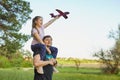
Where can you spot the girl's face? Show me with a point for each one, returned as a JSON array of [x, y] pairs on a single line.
[[48, 41], [39, 22]]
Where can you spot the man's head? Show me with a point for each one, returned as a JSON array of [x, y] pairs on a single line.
[[47, 40]]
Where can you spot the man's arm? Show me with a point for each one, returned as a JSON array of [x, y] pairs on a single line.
[[37, 62]]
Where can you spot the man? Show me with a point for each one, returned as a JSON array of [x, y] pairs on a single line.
[[48, 69]]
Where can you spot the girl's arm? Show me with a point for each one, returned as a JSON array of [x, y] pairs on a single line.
[[48, 50], [37, 37], [51, 21], [37, 62]]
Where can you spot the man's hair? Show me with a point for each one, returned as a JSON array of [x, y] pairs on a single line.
[[47, 36]]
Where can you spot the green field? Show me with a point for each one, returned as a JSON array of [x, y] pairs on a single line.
[[66, 73]]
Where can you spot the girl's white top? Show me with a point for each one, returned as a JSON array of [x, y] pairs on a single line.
[[40, 31]]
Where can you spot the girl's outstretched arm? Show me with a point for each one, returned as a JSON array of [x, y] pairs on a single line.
[[51, 21]]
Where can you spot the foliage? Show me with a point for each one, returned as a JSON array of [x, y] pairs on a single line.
[[71, 61], [13, 14], [17, 60], [27, 64], [27, 58], [4, 62], [111, 58], [26, 53]]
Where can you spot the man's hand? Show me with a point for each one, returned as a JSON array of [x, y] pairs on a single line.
[[54, 61]]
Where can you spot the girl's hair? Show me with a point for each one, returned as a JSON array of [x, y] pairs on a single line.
[[35, 19], [34, 23], [47, 36]]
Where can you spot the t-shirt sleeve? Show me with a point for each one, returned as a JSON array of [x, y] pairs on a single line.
[[54, 51], [34, 31]]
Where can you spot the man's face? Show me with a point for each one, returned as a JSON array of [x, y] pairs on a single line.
[[48, 41]]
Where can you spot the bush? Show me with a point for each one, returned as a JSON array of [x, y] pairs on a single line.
[[16, 62], [27, 64], [4, 62]]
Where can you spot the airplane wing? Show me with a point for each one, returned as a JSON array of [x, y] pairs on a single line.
[[64, 14], [59, 11], [52, 15]]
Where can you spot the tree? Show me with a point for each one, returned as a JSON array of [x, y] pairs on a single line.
[[27, 55], [13, 14], [77, 63], [111, 58]]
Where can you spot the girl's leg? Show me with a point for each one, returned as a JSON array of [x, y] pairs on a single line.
[[39, 69], [42, 53]]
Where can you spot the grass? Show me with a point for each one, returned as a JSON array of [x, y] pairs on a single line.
[[83, 74], [16, 74], [66, 73]]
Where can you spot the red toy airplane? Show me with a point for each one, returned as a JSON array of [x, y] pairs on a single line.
[[64, 14]]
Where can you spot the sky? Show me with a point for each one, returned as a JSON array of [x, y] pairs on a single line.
[[85, 31]]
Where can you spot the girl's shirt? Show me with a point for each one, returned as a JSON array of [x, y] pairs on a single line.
[[40, 31]]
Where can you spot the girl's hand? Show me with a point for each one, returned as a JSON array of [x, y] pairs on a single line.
[[57, 17]]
